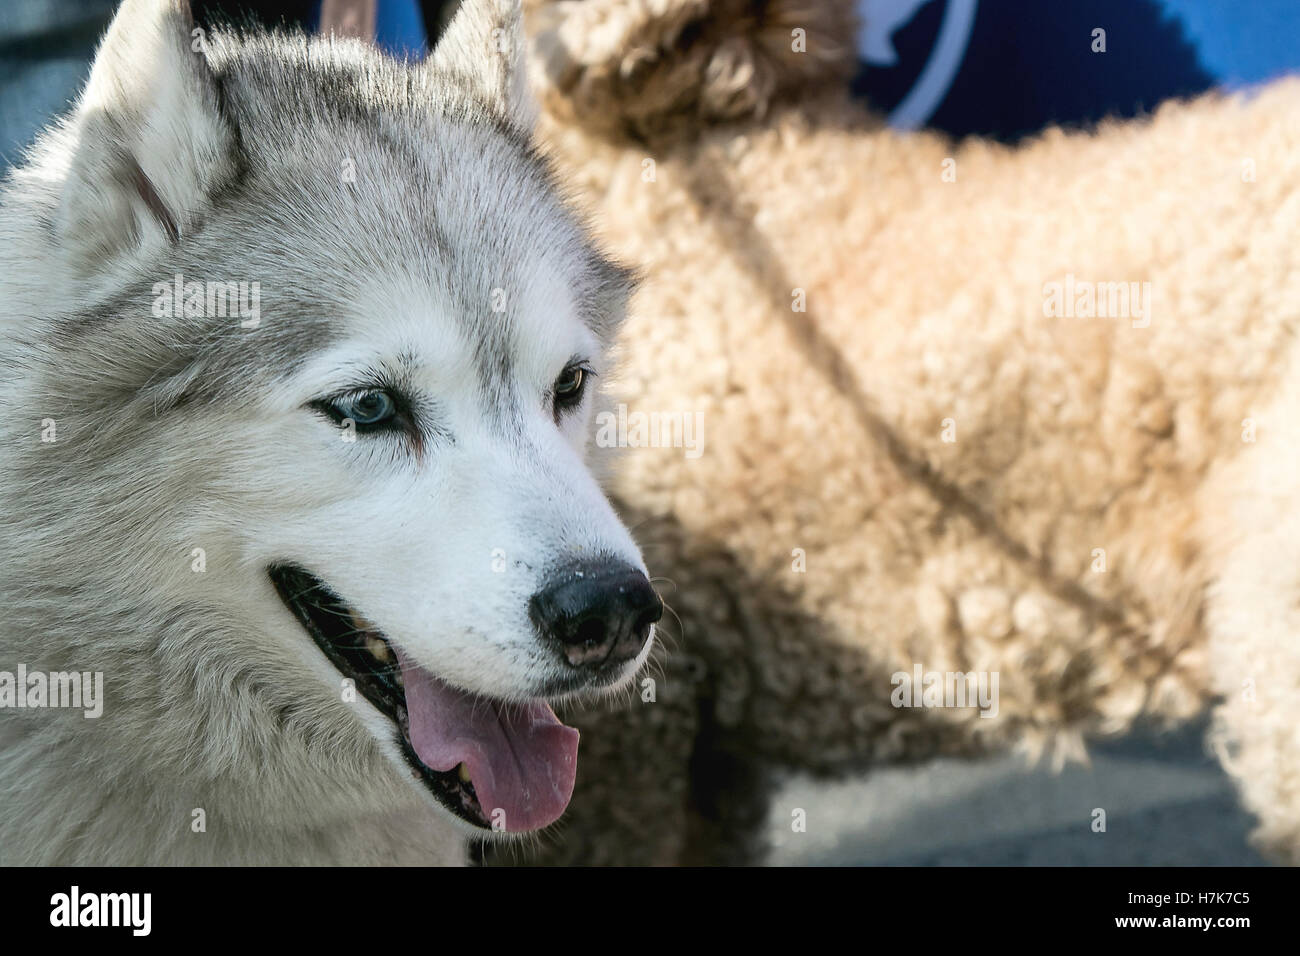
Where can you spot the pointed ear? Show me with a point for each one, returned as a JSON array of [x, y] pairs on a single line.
[[484, 43], [150, 140]]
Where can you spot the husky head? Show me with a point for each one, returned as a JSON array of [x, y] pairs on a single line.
[[319, 341]]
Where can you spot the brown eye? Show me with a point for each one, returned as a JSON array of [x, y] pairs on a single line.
[[569, 387], [570, 383]]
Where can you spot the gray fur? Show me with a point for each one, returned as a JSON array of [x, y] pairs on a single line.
[[177, 433]]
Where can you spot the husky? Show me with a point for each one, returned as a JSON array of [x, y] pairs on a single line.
[[333, 542]]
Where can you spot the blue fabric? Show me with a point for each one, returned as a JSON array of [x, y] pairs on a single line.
[[1006, 68], [399, 28], [996, 67], [45, 49], [1242, 41]]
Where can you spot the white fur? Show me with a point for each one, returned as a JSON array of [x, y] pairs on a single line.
[[177, 434]]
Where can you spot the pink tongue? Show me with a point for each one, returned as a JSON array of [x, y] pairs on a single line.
[[522, 761]]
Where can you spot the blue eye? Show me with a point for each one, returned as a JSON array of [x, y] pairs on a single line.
[[365, 408]]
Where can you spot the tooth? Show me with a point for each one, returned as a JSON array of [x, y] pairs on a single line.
[[462, 771], [377, 647]]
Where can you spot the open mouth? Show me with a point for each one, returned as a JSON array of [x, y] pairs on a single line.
[[496, 765]]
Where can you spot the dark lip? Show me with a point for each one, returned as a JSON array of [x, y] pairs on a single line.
[[328, 621], [580, 688]]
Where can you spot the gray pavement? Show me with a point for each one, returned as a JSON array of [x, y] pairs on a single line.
[[1167, 803]]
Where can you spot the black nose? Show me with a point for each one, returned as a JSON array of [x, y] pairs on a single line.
[[599, 612]]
